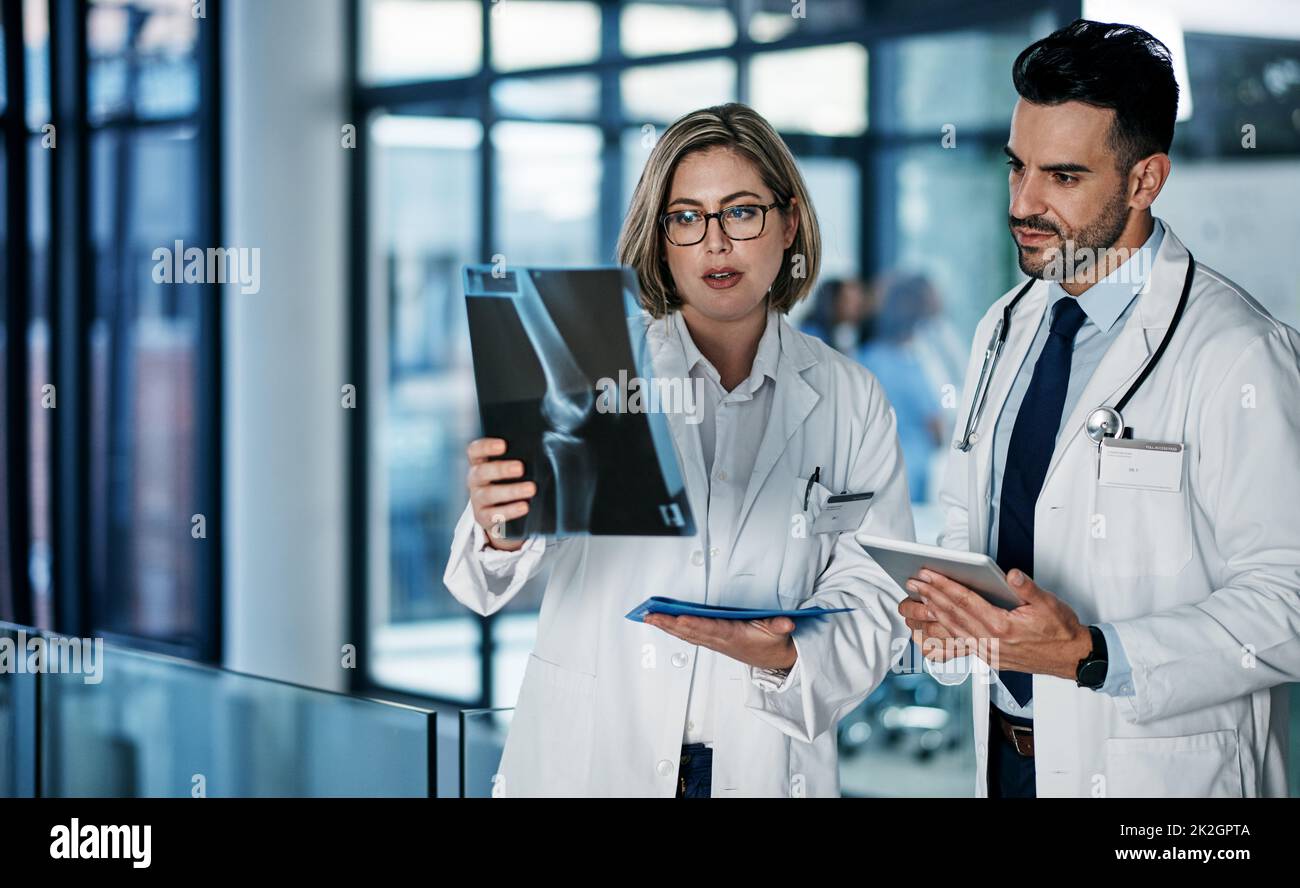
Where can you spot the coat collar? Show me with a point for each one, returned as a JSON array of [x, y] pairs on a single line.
[[1130, 351], [1156, 301], [766, 359]]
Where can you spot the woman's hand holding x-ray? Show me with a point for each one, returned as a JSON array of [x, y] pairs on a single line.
[[496, 502]]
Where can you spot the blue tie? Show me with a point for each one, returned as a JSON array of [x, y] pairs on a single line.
[[1033, 439]]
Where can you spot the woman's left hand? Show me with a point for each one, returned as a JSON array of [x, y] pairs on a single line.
[[767, 644]]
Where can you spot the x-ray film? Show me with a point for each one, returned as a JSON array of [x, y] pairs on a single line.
[[546, 345]]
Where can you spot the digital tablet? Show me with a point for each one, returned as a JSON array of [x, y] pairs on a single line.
[[979, 573]]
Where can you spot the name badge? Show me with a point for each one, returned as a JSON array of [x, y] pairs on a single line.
[[842, 512], [1145, 465]]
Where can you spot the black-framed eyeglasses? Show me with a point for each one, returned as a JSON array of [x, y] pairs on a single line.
[[685, 228]]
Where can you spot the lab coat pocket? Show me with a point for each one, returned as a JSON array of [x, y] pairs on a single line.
[[1193, 766], [550, 740], [1139, 533], [805, 552]]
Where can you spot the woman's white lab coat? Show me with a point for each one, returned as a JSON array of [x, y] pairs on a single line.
[[604, 699], [1201, 584]]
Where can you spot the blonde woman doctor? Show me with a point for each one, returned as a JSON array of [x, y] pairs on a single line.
[[724, 240]]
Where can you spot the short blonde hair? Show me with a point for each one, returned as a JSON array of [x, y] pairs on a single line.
[[741, 129]]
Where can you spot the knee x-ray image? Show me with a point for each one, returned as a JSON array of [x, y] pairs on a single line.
[[546, 343]]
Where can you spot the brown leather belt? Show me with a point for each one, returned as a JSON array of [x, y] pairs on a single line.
[[1021, 738]]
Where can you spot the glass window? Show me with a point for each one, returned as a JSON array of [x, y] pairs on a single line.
[[570, 96], [547, 192], [636, 146], [655, 28], [835, 187], [6, 562], [544, 33], [36, 40], [424, 205], [957, 198], [4, 84], [143, 59], [662, 93], [41, 401], [929, 97], [36, 56], [774, 19], [406, 40], [950, 254], [144, 352], [779, 87]]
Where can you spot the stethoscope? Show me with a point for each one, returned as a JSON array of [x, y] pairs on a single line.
[[1103, 422]]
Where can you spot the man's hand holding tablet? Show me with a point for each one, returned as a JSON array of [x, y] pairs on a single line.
[[1035, 631]]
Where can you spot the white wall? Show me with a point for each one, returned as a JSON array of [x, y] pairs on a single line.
[[1239, 218], [285, 99]]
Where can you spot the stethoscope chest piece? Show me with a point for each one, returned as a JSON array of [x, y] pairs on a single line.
[[1104, 422]]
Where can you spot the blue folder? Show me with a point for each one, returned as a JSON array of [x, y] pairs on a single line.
[[657, 604]]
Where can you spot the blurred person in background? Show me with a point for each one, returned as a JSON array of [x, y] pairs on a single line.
[[843, 315], [906, 368]]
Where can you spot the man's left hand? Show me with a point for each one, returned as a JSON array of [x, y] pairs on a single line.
[[1042, 635]]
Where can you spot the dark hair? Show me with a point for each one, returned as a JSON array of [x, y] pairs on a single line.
[[1109, 66]]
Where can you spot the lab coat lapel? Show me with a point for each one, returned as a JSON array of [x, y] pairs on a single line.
[[794, 399], [669, 362], [1129, 352]]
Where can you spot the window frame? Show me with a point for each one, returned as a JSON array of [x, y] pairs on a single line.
[[71, 297]]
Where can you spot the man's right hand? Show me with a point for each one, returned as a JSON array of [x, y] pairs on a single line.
[[495, 502]]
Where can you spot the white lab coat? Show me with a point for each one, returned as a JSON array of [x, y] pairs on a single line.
[[1202, 585], [603, 703]]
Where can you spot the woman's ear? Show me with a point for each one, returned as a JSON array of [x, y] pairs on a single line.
[[791, 217]]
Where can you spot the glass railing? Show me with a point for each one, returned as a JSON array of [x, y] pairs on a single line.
[[104, 720], [99, 719], [18, 712], [482, 739]]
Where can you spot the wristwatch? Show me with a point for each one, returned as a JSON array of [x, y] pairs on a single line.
[[1091, 672]]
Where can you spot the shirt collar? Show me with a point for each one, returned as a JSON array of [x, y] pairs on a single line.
[[1105, 301], [765, 359]]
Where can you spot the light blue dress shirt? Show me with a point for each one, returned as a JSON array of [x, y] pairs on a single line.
[[1108, 304]]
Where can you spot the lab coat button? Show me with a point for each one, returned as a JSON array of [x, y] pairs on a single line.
[[679, 659], [665, 768], [713, 551], [697, 558], [722, 476]]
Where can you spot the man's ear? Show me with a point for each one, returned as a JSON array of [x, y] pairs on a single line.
[[1146, 179]]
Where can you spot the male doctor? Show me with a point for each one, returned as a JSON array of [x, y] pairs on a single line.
[[1159, 570]]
